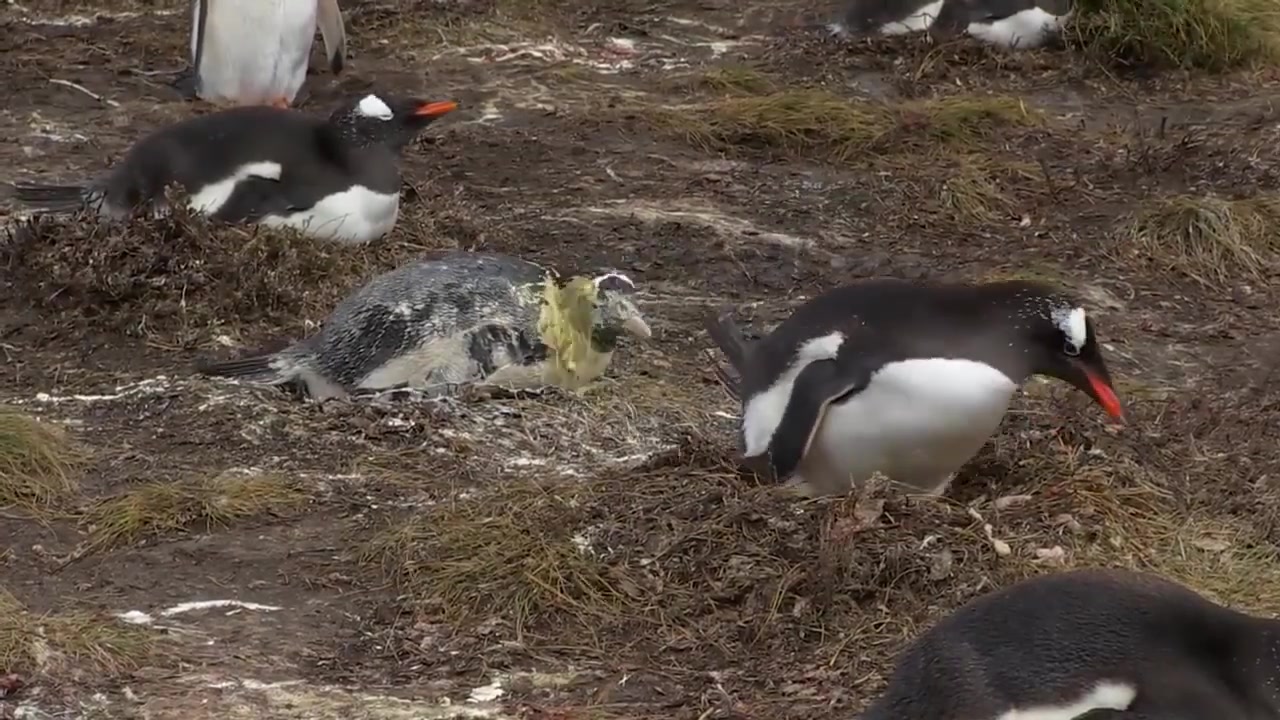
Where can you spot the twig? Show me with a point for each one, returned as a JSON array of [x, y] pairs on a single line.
[[86, 91]]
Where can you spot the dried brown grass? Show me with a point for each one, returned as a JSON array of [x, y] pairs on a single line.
[[1214, 241]]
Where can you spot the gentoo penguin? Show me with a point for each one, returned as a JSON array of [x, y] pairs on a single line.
[[1096, 644], [908, 379], [335, 178], [1013, 24], [460, 318], [255, 52]]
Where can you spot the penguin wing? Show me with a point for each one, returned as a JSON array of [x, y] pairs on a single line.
[[822, 382], [818, 385], [256, 197], [329, 18]]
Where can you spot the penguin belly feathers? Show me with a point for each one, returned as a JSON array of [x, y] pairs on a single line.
[[255, 52]]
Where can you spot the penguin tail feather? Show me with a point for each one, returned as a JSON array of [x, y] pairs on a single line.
[[255, 368], [51, 198], [727, 336]]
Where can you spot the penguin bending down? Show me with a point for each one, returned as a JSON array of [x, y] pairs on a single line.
[[1020, 24], [334, 179], [256, 52], [1095, 644], [460, 318], [903, 378]]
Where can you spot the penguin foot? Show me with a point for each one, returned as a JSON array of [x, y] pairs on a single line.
[[281, 102]]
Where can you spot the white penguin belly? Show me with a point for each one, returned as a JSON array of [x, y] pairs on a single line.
[[917, 422], [1025, 30], [917, 21], [255, 51], [356, 215]]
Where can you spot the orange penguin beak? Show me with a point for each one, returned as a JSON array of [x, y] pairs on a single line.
[[435, 109]]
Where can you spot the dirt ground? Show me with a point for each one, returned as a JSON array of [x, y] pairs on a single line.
[[601, 556]]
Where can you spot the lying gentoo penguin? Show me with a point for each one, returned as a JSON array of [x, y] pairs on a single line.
[[1022, 24], [1011, 24], [1096, 644], [908, 379], [460, 318], [255, 52], [336, 178]]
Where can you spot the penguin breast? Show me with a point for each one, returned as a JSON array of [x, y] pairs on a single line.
[[255, 52], [355, 215], [917, 422], [1024, 30]]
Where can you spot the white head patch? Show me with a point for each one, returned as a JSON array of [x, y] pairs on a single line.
[[1071, 321], [372, 106], [617, 275]]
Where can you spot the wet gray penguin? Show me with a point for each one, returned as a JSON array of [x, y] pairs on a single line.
[[459, 318], [1095, 644]]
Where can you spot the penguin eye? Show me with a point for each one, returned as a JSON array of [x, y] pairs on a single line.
[[1070, 349]]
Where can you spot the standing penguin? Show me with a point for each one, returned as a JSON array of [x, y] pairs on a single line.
[[256, 52], [334, 178], [903, 378], [1095, 644], [460, 318]]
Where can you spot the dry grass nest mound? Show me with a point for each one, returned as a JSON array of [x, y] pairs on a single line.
[[809, 120], [1213, 35], [181, 277], [1215, 241], [685, 550], [38, 462]]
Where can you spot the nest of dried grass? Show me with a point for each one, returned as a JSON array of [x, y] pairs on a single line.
[[182, 278]]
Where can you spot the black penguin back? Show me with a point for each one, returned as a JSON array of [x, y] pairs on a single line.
[[1052, 639]]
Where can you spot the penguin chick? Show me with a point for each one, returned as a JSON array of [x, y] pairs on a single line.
[[256, 52], [460, 318], [335, 178]]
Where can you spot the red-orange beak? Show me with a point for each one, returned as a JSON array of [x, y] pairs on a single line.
[[1102, 392], [435, 109]]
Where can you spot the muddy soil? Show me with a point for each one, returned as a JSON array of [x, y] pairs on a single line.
[[555, 157]]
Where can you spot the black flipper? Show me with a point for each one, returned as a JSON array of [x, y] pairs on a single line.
[[253, 199], [819, 384], [52, 198]]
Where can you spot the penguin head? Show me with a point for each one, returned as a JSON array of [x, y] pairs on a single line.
[[382, 120], [615, 311], [1061, 343]]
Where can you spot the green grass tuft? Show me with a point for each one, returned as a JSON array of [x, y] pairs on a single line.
[[1213, 35], [37, 462], [157, 508]]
